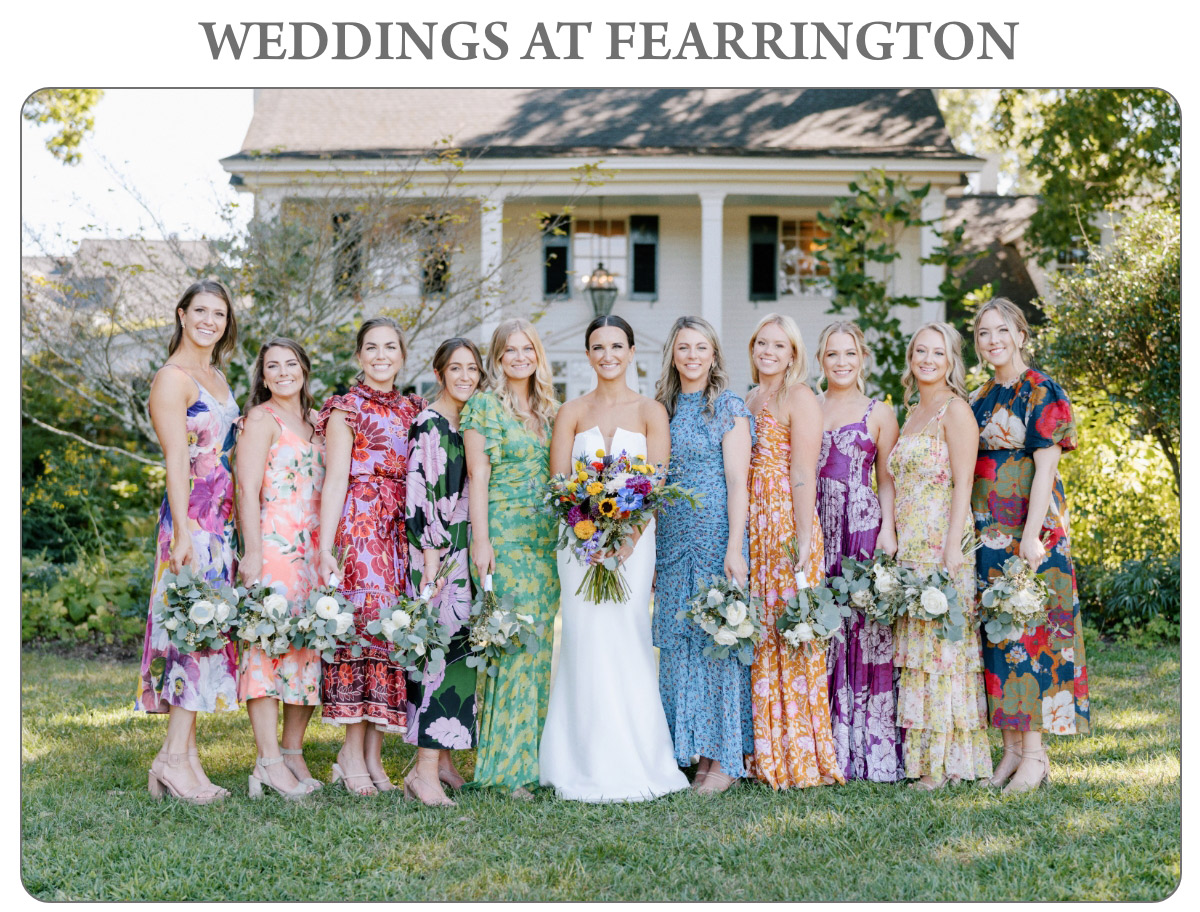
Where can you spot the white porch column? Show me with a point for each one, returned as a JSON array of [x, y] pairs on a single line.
[[932, 210], [491, 254], [712, 248]]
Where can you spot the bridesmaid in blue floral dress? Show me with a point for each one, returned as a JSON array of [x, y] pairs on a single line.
[[195, 428], [706, 701]]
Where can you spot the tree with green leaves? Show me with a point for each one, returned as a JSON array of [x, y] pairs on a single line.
[[1089, 150], [71, 111], [1114, 328]]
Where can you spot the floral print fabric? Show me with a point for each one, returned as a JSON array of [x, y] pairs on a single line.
[[706, 701], [793, 743], [441, 707], [290, 525], [941, 704], [372, 545], [523, 535], [862, 698], [1036, 682], [204, 680]]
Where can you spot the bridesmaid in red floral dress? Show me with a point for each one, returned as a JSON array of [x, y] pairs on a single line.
[[362, 519]]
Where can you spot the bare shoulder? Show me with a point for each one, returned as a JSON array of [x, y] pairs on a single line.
[[801, 400], [258, 423], [959, 416], [883, 417], [652, 410]]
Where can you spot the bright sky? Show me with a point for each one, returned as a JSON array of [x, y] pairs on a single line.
[[162, 145]]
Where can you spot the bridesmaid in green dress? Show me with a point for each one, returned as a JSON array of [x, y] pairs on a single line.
[[507, 438]]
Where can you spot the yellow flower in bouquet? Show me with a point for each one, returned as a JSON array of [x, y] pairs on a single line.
[[585, 529], [608, 507], [595, 488]]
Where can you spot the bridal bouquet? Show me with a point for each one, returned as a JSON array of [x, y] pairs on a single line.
[[498, 630], [600, 504], [872, 586], [326, 624], [1015, 602], [195, 613], [264, 619], [724, 611]]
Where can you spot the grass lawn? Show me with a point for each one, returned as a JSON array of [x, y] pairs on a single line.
[[1107, 829]]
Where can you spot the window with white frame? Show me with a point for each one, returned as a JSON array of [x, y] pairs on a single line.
[[783, 257], [596, 242]]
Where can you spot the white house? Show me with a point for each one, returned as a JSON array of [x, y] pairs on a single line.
[[704, 202]]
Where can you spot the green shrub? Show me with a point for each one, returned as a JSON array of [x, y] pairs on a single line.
[[1138, 601], [90, 601]]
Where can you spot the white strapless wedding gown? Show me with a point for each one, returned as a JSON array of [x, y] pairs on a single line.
[[606, 737]]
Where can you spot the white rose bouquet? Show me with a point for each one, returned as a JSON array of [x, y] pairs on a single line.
[[498, 629], [413, 627], [264, 619], [196, 614], [932, 596], [725, 612], [326, 623], [1015, 602], [812, 615], [872, 586]]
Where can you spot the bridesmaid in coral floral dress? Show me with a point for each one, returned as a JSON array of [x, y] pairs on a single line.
[[859, 434], [940, 695], [793, 744], [195, 529], [362, 516], [280, 469]]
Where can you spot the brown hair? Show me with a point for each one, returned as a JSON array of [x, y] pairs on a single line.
[[370, 324], [258, 387], [442, 356], [1012, 315], [669, 385], [228, 340]]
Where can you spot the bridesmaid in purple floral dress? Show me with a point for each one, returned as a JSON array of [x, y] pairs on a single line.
[[859, 432]]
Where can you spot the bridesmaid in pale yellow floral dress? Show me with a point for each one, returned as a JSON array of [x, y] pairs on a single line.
[[280, 470], [940, 700], [793, 739]]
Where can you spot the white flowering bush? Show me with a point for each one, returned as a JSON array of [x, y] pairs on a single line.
[[196, 614], [1014, 603], [725, 611], [498, 629]]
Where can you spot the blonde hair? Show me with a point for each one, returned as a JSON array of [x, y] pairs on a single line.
[[1013, 317], [956, 376], [850, 329], [542, 402], [669, 386], [798, 369]]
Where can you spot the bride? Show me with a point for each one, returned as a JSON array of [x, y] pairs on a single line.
[[606, 737]]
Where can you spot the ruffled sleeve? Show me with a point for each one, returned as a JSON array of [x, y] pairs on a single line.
[[1050, 419], [426, 484], [482, 414], [727, 409], [348, 403]]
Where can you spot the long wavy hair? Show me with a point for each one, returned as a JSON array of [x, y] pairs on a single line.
[[228, 340], [864, 353], [956, 377], [798, 370], [1013, 317], [258, 387], [370, 324], [441, 358], [542, 402], [669, 385]]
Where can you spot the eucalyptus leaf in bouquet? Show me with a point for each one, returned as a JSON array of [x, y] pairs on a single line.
[[264, 618], [326, 624], [196, 613], [729, 616], [413, 628], [1014, 603], [498, 629], [811, 616], [872, 586], [932, 596]]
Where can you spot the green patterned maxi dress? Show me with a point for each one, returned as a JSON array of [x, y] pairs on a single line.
[[524, 536]]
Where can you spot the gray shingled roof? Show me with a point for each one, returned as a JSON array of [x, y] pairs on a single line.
[[349, 123]]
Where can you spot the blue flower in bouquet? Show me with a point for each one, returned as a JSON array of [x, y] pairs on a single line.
[[629, 500]]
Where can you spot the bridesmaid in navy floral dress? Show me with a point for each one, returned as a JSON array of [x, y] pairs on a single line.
[[706, 701], [862, 696], [1036, 683]]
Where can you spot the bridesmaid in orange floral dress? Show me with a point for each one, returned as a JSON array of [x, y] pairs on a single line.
[[280, 469], [793, 739]]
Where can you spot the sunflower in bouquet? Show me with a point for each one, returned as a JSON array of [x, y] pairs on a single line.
[[600, 504]]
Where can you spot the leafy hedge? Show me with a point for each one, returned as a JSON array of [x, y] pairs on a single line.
[[92, 600], [1137, 600]]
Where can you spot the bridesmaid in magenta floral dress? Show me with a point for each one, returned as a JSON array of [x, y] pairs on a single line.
[[195, 530], [362, 517], [862, 696]]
